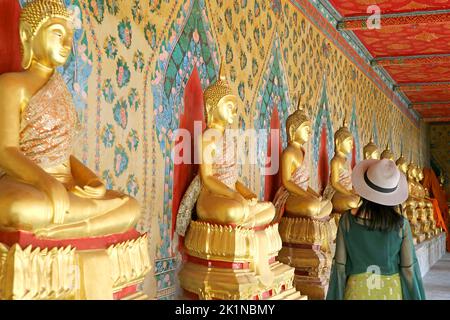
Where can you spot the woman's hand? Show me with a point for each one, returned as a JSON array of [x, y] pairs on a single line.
[[59, 197]]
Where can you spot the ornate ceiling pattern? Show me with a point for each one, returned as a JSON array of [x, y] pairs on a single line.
[[412, 46]]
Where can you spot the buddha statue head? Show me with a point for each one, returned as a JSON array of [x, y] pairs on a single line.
[[412, 171], [387, 153], [370, 151], [46, 33], [298, 125], [402, 164], [343, 139], [420, 175], [220, 102]]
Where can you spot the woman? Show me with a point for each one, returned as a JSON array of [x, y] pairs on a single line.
[[375, 257]]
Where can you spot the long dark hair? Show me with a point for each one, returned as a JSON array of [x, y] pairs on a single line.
[[380, 217]]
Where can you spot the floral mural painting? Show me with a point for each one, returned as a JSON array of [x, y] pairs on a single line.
[[120, 112], [273, 92], [177, 58], [123, 73], [125, 32]]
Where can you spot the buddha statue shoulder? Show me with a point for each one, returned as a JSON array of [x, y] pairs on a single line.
[[387, 154], [340, 188], [44, 188], [370, 151], [295, 197]]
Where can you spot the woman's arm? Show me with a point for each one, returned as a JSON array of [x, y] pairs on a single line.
[[410, 276], [338, 277]]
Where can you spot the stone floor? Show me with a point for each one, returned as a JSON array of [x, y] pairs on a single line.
[[437, 280]]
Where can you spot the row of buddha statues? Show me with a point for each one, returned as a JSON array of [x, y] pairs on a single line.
[[238, 247], [63, 235]]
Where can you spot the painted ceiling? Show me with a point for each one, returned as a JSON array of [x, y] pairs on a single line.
[[412, 46]]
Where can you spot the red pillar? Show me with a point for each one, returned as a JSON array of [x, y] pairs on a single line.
[[10, 54]]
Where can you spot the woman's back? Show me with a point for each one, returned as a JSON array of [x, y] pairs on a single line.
[[370, 249]]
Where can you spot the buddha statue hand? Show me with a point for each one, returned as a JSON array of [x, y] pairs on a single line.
[[57, 195], [92, 189]]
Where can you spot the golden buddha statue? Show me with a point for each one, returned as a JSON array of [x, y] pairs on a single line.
[[414, 205], [305, 225], [232, 227], [402, 164], [44, 189], [370, 151], [295, 197], [387, 153], [340, 189]]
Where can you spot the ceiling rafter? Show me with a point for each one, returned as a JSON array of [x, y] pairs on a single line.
[[425, 86], [411, 60], [364, 22]]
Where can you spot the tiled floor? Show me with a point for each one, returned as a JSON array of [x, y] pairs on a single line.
[[437, 280]]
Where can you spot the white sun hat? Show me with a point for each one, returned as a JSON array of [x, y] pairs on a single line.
[[380, 181]]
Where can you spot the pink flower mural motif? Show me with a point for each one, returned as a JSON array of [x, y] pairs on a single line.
[[120, 160], [97, 8], [125, 32], [196, 36], [122, 73], [120, 112]]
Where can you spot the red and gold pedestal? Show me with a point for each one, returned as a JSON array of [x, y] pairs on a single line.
[[96, 268], [307, 246], [221, 265]]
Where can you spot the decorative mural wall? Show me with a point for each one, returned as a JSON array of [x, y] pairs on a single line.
[[128, 73]]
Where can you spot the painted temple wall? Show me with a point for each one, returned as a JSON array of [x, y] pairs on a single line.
[[132, 60]]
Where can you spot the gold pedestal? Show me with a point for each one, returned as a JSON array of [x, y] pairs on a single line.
[[221, 264], [83, 270], [308, 246]]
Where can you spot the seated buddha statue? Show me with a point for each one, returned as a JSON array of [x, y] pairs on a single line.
[[223, 199], [370, 151], [402, 165], [217, 195], [413, 205], [295, 195], [387, 153], [44, 188], [340, 188]]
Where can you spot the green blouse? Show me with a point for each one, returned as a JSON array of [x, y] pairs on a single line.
[[360, 250]]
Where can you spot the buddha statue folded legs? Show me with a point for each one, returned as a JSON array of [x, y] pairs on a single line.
[[232, 246], [305, 225], [45, 192]]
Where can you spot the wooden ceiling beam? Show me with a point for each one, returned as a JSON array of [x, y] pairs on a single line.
[[411, 60], [437, 119], [425, 86], [411, 18]]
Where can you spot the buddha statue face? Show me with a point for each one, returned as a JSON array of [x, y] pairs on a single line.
[[345, 145], [46, 33], [387, 154], [303, 133], [226, 110], [370, 151], [298, 126], [343, 139]]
